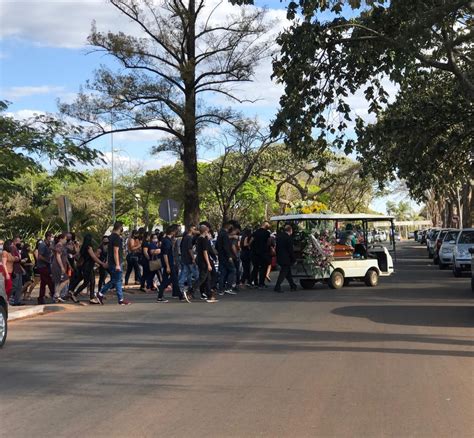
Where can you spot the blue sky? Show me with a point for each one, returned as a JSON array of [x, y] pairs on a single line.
[[44, 57]]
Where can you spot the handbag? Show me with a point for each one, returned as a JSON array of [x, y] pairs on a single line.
[[155, 265]]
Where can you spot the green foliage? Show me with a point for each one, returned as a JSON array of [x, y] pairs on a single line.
[[322, 63], [25, 145], [424, 138]]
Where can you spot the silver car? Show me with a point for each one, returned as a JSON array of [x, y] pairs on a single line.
[[461, 255], [3, 312], [445, 255]]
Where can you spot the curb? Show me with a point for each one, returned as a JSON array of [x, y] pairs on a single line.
[[33, 311]]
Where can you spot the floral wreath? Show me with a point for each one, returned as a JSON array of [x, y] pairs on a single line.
[[308, 207], [318, 253]]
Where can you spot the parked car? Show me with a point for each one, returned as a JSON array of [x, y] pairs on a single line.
[[397, 236], [471, 251], [423, 236], [438, 242], [3, 312], [411, 235], [430, 241], [445, 253], [461, 255]]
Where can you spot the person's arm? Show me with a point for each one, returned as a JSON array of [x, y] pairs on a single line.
[[191, 253], [206, 259], [146, 253], [60, 262], [117, 258], [4, 263], [167, 263], [94, 257]]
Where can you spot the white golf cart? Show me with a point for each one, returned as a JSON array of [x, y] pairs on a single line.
[[360, 262]]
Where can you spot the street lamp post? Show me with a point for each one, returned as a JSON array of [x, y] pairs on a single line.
[[137, 200], [113, 170]]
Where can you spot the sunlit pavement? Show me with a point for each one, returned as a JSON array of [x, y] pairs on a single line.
[[396, 360]]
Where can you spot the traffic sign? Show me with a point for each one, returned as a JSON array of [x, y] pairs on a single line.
[[65, 210], [169, 210]]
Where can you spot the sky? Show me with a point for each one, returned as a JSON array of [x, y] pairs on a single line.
[[44, 57]]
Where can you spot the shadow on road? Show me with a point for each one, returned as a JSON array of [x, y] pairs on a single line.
[[431, 316]]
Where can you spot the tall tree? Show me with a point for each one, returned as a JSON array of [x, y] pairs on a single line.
[[324, 60], [183, 55], [243, 147]]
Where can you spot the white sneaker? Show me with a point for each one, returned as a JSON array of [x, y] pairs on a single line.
[[230, 292], [212, 300]]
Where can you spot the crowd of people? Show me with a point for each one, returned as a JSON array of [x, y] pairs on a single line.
[[195, 264]]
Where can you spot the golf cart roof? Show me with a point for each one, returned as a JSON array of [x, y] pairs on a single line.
[[334, 217]]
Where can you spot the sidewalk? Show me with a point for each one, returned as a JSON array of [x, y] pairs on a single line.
[[20, 312]]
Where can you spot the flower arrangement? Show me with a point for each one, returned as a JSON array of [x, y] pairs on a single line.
[[308, 207], [318, 253]]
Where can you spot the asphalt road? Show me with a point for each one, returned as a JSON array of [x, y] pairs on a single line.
[[393, 361]]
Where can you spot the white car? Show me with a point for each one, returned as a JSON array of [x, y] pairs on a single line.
[[445, 254], [461, 255]]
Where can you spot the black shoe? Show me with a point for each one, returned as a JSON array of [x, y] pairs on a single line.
[[100, 298], [294, 287]]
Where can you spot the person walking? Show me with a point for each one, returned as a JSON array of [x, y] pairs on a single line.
[[145, 260], [27, 265], [226, 260], [102, 255], [154, 262], [189, 270], [261, 257], [169, 275], [285, 258], [43, 265], [246, 256], [134, 246], [115, 266], [8, 261], [204, 264], [17, 274], [59, 269], [88, 259]]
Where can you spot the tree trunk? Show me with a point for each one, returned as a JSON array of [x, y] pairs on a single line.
[[468, 205], [189, 157]]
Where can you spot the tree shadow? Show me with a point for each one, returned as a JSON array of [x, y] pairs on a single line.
[[428, 316]]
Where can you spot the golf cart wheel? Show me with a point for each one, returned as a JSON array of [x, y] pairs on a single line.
[[371, 278], [307, 283], [336, 281], [3, 326]]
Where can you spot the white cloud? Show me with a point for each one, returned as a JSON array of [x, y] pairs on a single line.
[[24, 114], [123, 161], [56, 23], [16, 93]]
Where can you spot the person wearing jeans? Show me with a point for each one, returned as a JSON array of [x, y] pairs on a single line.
[[189, 270], [115, 262], [170, 276]]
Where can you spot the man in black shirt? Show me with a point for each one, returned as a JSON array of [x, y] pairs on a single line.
[[204, 263], [189, 270], [226, 260], [115, 262], [285, 257], [169, 274], [261, 256]]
